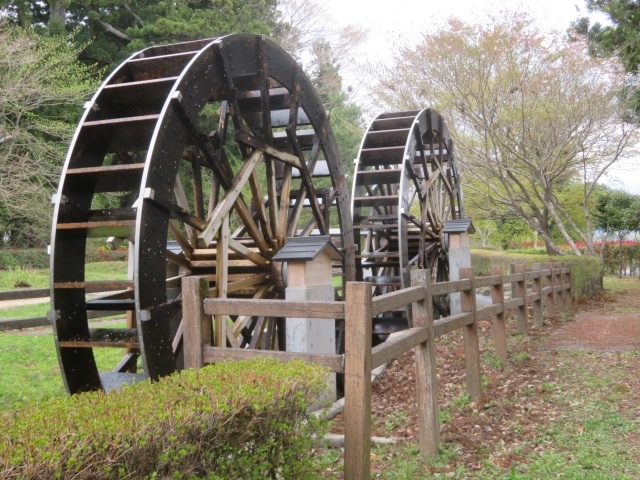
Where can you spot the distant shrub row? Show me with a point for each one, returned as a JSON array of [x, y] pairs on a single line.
[[586, 272], [11, 259], [233, 420]]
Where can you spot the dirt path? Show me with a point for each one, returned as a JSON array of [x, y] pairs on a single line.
[[520, 398], [609, 325]]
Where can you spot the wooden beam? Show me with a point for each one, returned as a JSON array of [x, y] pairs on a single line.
[[425, 367], [275, 308], [396, 346], [499, 322], [357, 381], [394, 300], [224, 206], [471, 340], [196, 324]]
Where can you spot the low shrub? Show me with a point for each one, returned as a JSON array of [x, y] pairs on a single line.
[[244, 420], [586, 272], [14, 258]]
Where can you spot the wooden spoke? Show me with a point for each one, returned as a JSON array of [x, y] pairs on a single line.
[[188, 206]]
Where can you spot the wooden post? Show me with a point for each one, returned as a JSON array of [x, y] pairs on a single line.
[[196, 324], [558, 298], [499, 323], [357, 381], [471, 340], [568, 280], [521, 292], [537, 304], [566, 285], [426, 379], [549, 300], [222, 263]]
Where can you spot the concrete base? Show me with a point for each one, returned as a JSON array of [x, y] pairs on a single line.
[[313, 335], [459, 257]]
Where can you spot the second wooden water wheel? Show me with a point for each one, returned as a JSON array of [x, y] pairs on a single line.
[[205, 157], [406, 187]]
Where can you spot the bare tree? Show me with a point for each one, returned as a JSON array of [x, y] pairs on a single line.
[[41, 88], [303, 24], [531, 112]]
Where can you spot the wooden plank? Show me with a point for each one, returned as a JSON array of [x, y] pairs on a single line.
[[488, 311], [196, 324], [275, 308], [425, 368], [246, 252], [94, 286], [26, 293], [398, 344], [451, 323], [20, 323], [229, 200], [512, 277], [105, 337], [394, 300], [443, 288], [357, 381], [513, 303], [499, 322], [285, 157], [471, 340], [216, 355], [490, 281]]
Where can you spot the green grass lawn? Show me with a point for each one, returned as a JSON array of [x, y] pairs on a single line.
[[29, 370], [40, 278]]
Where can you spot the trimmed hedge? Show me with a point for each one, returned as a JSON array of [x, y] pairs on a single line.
[[586, 272], [243, 419], [17, 258]]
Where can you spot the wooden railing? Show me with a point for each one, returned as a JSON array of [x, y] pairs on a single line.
[[545, 289], [43, 321]]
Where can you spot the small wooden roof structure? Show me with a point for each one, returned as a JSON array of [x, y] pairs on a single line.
[[459, 225], [304, 249]]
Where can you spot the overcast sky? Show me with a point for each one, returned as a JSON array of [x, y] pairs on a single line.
[[388, 21]]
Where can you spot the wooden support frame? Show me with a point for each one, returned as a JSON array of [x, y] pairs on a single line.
[[360, 357]]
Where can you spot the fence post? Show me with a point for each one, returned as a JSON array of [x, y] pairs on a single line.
[[520, 291], [499, 324], [550, 300], [426, 379], [537, 303], [196, 325], [357, 381], [566, 285], [471, 340]]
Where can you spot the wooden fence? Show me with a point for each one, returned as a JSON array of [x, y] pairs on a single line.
[[544, 290], [43, 321]]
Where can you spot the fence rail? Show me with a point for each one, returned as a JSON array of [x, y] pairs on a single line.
[[544, 290]]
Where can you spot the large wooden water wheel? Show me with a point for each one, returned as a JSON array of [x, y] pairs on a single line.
[[406, 187], [205, 156]]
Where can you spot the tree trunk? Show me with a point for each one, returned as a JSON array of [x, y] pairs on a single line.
[[57, 17]]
